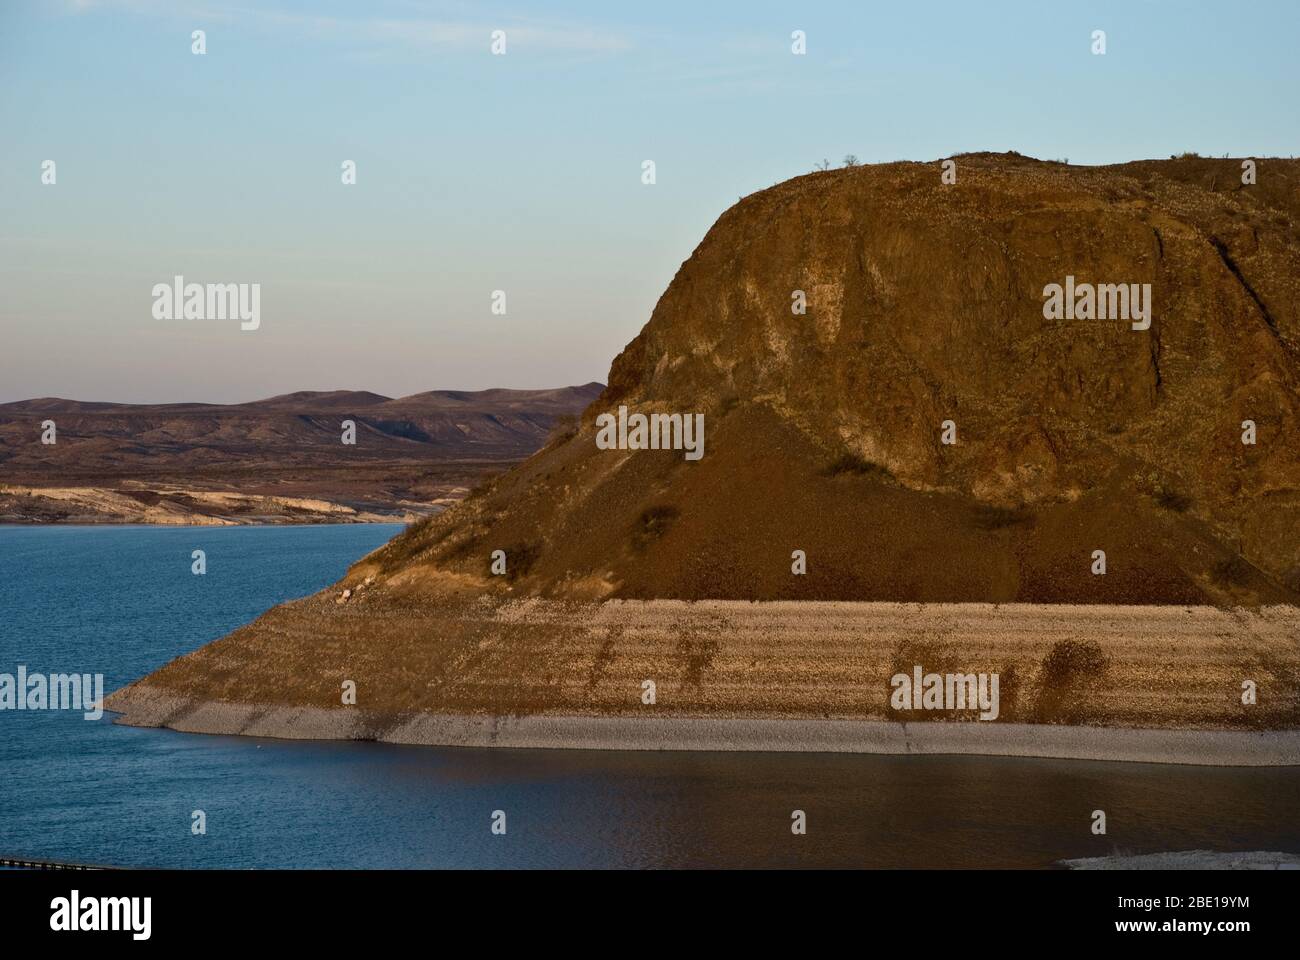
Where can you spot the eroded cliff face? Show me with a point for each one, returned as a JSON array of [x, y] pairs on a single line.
[[925, 304]]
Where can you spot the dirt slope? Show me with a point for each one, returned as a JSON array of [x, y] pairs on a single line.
[[925, 304]]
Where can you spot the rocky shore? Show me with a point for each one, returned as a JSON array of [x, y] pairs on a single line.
[[143, 706]]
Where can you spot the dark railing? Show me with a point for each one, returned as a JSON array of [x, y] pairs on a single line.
[[24, 863]]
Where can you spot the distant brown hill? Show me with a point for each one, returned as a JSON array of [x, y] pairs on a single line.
[[925, 304], [107, 437], [410, 452]]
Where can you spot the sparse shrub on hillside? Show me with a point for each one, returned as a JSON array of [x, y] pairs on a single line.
[[850, 160], [405, 545], [1291, 579], [696, 655], [479, 489], [1172, 500], [1009, 693], [653, 524], [989, 517], [852, 463], [1068, 674], [1233, 572], [563, 430], [520, 559], [1163, 491], [1071, 660], [464, 548]]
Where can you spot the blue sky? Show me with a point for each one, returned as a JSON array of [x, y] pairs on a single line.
[[518, 172]]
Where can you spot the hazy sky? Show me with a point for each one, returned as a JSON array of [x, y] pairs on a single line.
[[519, 172]]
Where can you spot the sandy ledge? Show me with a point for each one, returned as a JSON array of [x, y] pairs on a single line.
[[169, 505], [142, 706]]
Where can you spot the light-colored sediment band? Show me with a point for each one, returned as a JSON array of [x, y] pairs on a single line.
[[145, 707]]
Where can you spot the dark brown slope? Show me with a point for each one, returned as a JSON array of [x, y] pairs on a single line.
[[925, 304]]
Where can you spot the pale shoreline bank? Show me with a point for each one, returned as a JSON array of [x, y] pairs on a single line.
[[167, 505], [141, 706]]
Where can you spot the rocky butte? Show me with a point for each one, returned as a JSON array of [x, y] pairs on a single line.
[[649, 600]]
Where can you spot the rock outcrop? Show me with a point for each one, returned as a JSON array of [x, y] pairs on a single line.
[[925, 304], [557, 591]]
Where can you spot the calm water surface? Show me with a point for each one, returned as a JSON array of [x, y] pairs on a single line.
[[121, 601]]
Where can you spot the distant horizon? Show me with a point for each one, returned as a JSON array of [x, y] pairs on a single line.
[[7, 398], [520, 171], [287, 393]]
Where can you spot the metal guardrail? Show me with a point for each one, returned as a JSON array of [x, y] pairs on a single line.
[[25, 863]]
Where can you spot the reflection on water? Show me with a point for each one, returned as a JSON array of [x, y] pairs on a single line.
[[276, 803]]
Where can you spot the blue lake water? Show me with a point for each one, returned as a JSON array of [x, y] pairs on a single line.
[[122, 601]]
